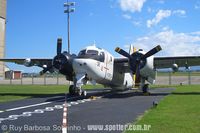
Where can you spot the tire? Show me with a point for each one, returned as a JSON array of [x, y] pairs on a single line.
[[71, 90], [145, 88], [79, 92], [84, 93]]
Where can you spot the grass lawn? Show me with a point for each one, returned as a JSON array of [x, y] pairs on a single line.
[[17, 92], [176, 113]]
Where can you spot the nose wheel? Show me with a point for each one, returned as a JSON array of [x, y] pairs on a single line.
[[77, 91], [145, 89]]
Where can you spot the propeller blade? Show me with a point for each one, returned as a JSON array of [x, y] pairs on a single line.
[[122, 52], [152, 52], [59, 46], [45, 70]]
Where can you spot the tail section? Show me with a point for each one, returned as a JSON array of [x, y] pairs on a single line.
[[132, 49]]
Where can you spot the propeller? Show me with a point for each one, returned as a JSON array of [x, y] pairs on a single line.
[[59, 46], [59, 50], [152, 52], [137, 60], [61, 62], [122, 52], [44, 70]]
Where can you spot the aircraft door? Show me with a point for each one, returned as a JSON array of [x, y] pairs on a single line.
[[109, 62]]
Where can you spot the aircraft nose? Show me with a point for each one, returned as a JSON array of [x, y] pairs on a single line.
[[83, 64], [80, 65]]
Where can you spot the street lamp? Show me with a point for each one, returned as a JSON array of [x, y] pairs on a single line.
[[68, 11]]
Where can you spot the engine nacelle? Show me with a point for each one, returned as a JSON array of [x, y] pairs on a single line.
[[148, 71], [175, 67], [27, 62], [63, 62], [128, 80]]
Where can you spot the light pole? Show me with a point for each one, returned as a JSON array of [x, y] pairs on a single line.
[[68, 11]]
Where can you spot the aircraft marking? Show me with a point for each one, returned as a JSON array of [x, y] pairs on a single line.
[[41, 111], [106, 68], [24, 107]]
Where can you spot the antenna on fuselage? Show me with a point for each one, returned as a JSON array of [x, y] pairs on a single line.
[[94, 43]]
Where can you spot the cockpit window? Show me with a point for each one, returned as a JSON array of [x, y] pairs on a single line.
[[92, 54], [82, 52], [102, 57]]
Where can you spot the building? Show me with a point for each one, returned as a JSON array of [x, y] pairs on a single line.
[[13, 74], [2, 34]]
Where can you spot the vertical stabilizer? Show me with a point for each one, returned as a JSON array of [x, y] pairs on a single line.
[[131, 49]]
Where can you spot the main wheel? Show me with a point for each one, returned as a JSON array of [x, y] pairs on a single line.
[[71, 90], [79, 91], [84, 93], [145, 88]]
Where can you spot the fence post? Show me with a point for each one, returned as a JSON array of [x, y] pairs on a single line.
[[21, 79], [44, 79], [189, 77], [10, 80], [57, 78], [170, 78], [11, 75], [32, 80]]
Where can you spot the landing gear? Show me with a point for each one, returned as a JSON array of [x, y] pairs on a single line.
[[71, 90], [78, 81], [145, 89], [84, 93], [76, 91]]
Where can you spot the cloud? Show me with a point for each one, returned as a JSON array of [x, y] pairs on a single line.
[[149, 9], [127, 16], [132, 5], [179, 12], [197, 5], [165, 28], [136, 23], [161, 14], [161, 1], [173, 44], [195, 33]]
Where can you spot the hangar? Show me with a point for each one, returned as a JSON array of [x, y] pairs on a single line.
[[2, 35]]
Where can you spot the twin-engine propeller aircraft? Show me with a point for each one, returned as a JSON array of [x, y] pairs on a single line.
[[99, 66]]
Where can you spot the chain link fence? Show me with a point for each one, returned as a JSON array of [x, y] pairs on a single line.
[[37, 80], [163, 78], [181, 78]]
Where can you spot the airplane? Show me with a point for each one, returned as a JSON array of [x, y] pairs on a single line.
[[97, 65]]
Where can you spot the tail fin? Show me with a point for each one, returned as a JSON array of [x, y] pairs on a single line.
[[132, 49]]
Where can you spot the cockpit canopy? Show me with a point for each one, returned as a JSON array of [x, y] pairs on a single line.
[[92, 54]]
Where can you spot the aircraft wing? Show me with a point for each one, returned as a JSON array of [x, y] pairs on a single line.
[[162, 62], [30, 62], [181, 61]]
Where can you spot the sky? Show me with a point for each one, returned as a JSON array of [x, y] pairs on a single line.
[[33, 26]]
